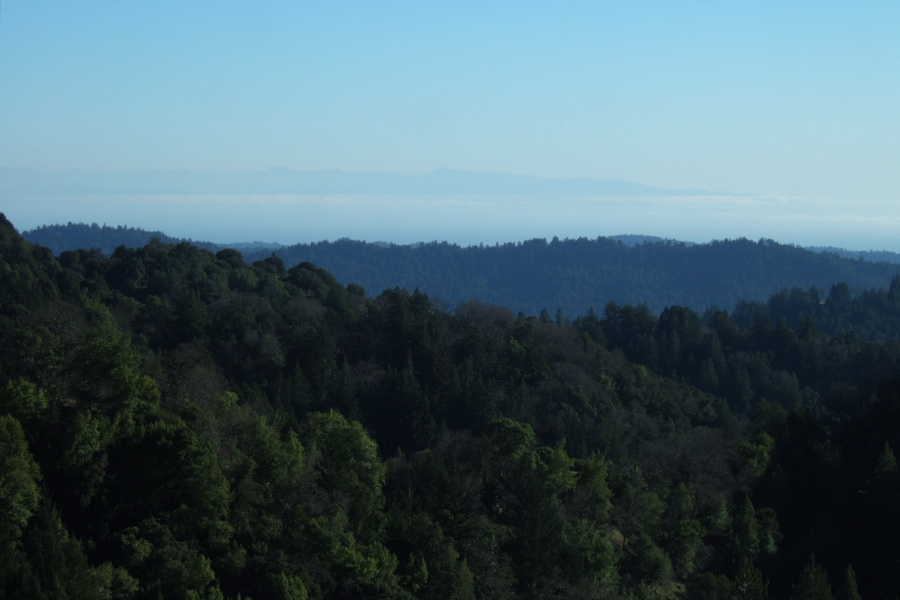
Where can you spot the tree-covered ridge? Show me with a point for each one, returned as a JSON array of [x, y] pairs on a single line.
[[870, 255], [181, 424], [571, 275], [106, 238]]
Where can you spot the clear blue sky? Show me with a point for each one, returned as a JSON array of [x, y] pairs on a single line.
[[782, 99]]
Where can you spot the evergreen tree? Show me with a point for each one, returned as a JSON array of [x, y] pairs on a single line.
[[849, 590], [749, 583], [887, 463], [813, 583], [745, 528], [19, 494]]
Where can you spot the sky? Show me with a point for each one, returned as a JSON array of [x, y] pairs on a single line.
[[795, 104]]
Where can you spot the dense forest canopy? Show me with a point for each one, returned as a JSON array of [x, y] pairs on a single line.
[[571, 275], [179, 423]]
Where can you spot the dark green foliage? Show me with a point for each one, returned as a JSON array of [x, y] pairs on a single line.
[[749, 583], [19, 495], [348, 473], [849, 589], [181, 424], [573, 274], [813, 583]]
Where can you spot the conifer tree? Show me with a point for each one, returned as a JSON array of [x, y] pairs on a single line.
[[745, 528], [813, 583], [849, 591], [749, 583], [887, 462]]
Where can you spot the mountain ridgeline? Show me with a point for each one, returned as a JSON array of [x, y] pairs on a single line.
[[571, 275], [73, 236], [179, 423]]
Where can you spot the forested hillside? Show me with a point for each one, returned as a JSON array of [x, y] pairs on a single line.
[[870, 255], [571, 275], [106, 238], [181, 424], [74, 236], [574, 275]]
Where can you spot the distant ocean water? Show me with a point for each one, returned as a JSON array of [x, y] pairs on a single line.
[[468, 219]]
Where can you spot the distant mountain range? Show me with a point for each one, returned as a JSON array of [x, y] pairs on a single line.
[[285, 181]]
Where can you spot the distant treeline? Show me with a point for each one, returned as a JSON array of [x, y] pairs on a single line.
[[71, 236], [570, 275], [573, 275], [870, 255], [74, 236]]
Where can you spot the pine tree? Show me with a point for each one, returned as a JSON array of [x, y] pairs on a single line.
[[749, 583], [745, 528], [849, 591], [813, 583], [887, 463]]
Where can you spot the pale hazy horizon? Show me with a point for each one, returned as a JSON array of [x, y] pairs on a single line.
[[793, 108], [467, 220]]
